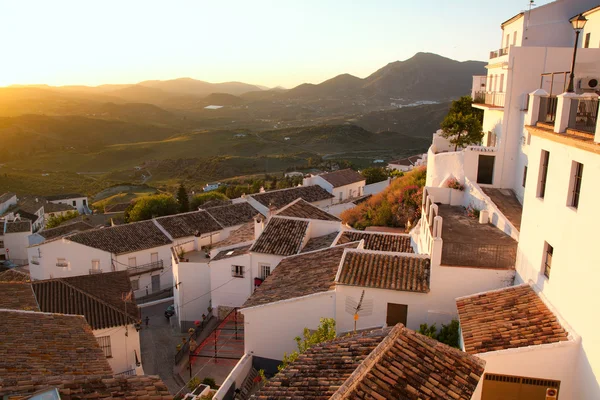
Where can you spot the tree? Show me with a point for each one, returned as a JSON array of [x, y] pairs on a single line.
[[56, 220], [463, 123], [152, 206], [374, 174], [202, 198], [183, 199], [325, 332]]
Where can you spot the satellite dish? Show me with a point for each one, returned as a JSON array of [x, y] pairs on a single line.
[[358, 308]]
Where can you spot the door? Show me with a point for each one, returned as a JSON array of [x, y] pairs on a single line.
[[155, 283], [396, 313], [506, 387], [485, 169]]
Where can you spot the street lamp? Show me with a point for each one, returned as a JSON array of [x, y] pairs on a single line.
[[578, 23]]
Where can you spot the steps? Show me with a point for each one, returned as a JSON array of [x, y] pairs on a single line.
[[249, 386]]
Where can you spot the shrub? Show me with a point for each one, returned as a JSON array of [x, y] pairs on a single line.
[[448, 334], [453, 183], [150, 207], [374, 174], [202, 198], [472, 212], [325, 332], [210, 382], [193, 383], [428, 330], [56, 220]]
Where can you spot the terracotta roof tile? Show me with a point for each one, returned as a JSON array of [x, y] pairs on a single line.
[[98, 297], [300, 275], [379, 241], [302, 209], [18, 226], [282, 236], [342, 177], [319, 242], [87, 387], [233, 214], [57, 207], [38, 344], [279, 198], [66, 229], [189, 224], [244, 233], [385, 271], [123, 238], [17, 296], [238, 251], [505, 319], [13, 275], [391, 363]]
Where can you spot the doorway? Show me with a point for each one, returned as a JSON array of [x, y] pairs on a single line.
[[396, 314], [155, 283], [506, 387], [485, 169]]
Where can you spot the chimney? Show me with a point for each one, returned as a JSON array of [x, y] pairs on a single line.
[[259, 225], [36, 199], [272, 210]]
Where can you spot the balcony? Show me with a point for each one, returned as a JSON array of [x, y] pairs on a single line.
[[489, 99], [145, 268], [498, 53], [548, 106], [95, 271], [584, 116], [62, 264]]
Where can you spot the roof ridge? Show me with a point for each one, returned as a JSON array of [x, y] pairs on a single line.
[[85, 293], [367, 364]]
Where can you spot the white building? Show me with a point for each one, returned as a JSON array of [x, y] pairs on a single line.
[[100, 299], [342, 184], [211, 186], [409, 163], [6, 201], [13, 240], [75, 200]]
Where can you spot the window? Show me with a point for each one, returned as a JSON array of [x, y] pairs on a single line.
[[396, 313], [265, 271], [61, 262], [135, 284], [153, 257], [514, 38], [548, 251], [587, 40], [507, 40], [1, 244], [35, 260], [74, 203], [95, 265], [501, 88], [524, 175], [341, 195], [132, 262], [237, 271], [545, 159], [104, 342], [576, 174], [84, 202]]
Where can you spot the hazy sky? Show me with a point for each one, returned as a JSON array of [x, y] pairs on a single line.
[[270, 43]]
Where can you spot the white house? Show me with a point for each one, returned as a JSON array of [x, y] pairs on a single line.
[[76, 200], [100, 298], [342, 184], [6, 201], [408, 163], [211, 186], [266, 202], [14, 240]]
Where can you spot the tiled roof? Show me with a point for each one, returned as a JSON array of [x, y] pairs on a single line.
[[244, 233], [4, 197], [123, 238], [390, 363], [25, 215], [64, 196], [18, 226], [78, 226], [57, 207], [233, 214], [17, 296], [279, 198], [88, 387], [30, 204], [342, 177], [319, 242], [507, 318], [379, 241], [302, 209], [238, 251], [385, 271], [300, 275], [98, 297], [13, 275], [282, 236], [43, 344], [189, 224], [116, 208]]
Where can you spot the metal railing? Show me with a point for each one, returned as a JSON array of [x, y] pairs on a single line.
[[586, 115], [140, 269], [548, 106], [499, 53], [95, 271], [185, 348], [491, 98], [478, 255], [62, 264], [129, 372]]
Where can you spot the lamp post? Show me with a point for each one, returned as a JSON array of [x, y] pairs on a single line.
[[578, 23]]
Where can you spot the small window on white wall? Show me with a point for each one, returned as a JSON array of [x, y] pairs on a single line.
[[501, 86], [135, 284], [132, 262], [265, 271], [96, 265]]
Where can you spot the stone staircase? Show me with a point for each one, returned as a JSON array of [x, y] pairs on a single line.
[[249, 387]]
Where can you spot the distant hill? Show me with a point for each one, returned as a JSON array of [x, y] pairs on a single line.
[[200, 88]]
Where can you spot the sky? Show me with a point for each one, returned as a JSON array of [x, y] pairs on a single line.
[[270, 43]]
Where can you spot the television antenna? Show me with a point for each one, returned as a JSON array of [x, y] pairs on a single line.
[[358, 308]]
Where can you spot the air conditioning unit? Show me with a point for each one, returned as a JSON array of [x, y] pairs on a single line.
[[551, 394], [589, 83]]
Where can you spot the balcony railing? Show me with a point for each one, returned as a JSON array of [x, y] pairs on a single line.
[[141, 269], [95, 271], [498, 53], [479, 255], [586, 115], [548, 107], [62, 264], [35, 262], [490, 98]]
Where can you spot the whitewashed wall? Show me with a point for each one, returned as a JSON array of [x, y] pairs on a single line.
[[122, 347], [17, 244], [228, 290], [377, 187], [269, 330], [192, 296], [79, 205]]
